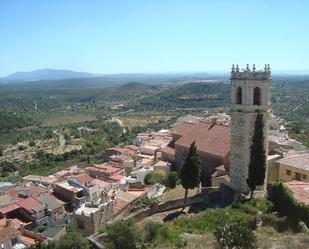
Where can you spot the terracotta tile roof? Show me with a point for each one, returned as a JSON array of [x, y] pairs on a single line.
[[300, 191], [27, 189], [83, 178], [116, 177], [36, 190], [131, 149], [169, 150], [161, 164], [300, 161], [29, 204], [213, 139], [8, 233], [101, 183], [9, 208], [28, 240], [109, 170], [3, 222], [17, 222]]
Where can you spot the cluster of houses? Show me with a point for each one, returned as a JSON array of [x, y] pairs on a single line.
[[36, 209]]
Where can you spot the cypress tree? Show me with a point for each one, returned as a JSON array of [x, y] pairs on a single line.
[[257, 165], [190, 172]]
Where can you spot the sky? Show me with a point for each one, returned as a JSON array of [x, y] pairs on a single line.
[[153, 36]]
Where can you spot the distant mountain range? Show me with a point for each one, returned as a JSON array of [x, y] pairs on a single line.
[[47, 74]]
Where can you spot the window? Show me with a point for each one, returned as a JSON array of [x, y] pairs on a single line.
[[257, 96], [14, 241], [239, 96], [80, 224], [297, 176], [288, 172], [304, 177]]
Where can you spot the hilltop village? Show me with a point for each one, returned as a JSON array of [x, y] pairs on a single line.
[[130, 177]]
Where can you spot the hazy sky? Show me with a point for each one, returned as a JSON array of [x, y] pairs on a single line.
[[152, 36]]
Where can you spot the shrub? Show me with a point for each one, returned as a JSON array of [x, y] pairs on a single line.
[[254, 206], [235, 234], [31, 143], [121, 234], [154, 177], [145, 202], [151, 230], [4, 174], [148, 180], [6, 166], [172, 179], [21, 147], [286, 205]]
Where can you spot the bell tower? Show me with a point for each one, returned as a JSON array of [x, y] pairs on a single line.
[[250, 93]]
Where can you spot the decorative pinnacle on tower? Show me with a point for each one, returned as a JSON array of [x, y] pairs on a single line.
[[250, 73], [250, 93]]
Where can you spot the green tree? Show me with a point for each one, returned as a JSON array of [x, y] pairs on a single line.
[[121, 234], [257, 165], [190, 172], [172, 179], [1, 150], [72, 240]]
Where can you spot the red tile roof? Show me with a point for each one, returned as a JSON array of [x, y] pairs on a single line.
[[116, 177], [101, 183], [29, 203], [9, 208], [28, 240], [29, 189], [300, 191], [83, 178], [213, 139], [169, 150], [8, 233], [109, 170]]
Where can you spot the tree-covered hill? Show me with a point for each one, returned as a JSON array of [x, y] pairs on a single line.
[[191, 95]]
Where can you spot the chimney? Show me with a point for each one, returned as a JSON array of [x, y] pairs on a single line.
[[21, 228], [9, 223]]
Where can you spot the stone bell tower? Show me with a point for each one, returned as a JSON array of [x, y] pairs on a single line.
[[250, 92]]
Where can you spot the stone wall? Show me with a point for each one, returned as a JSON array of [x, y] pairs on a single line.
[[166, 206], [93, 223]]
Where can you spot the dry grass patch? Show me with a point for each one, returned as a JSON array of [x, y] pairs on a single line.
[[143, 120], [177, 193]]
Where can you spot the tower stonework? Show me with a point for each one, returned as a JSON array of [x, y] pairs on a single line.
[[250, 93]]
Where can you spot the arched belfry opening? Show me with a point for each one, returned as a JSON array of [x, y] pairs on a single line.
[[257, 96], [239, 96], [250, 89]]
